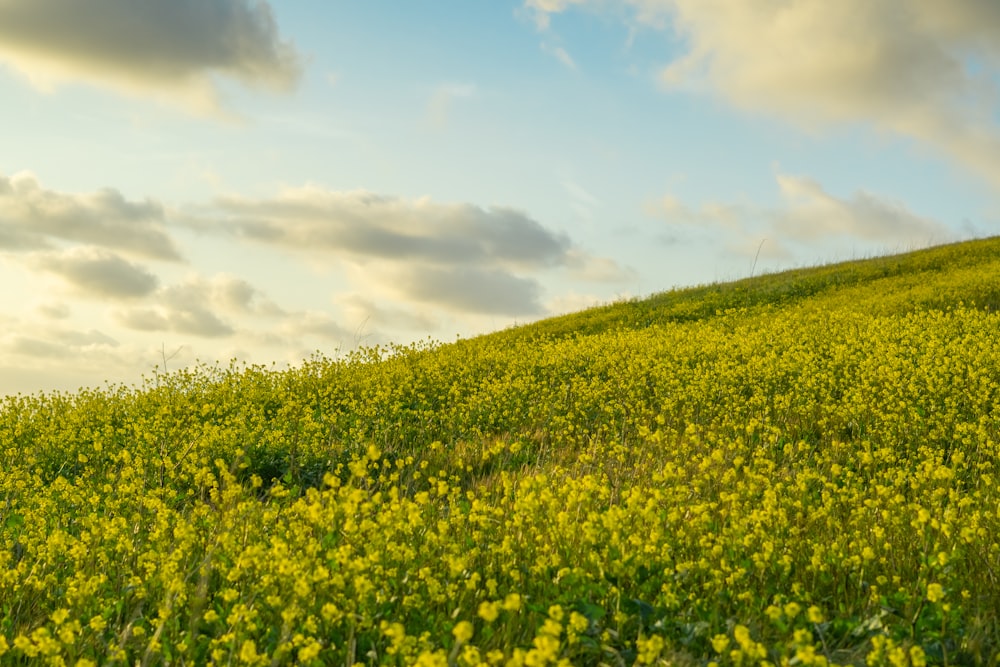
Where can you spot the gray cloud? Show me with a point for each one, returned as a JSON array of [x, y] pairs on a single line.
[[97, 272], [56, 343], [362, 224], [55, 311], [458, 256], [36, 347], [155, 46], [81, 339], [193, 319], [143, 319], [32, 217], [471, 290], [923, 69], [196, 307]]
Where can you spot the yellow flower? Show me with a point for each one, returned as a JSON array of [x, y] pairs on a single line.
[[463, 632], [488, 611], [248, 652], [309, 651], [512, 602], [578, 622], [935, 592]]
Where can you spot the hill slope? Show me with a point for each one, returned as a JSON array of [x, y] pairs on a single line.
[[794, 466]]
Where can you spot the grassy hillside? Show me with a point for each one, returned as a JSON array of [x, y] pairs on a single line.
[[796, 468]]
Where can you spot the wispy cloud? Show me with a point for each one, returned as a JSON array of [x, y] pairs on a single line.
[[809, 216], [814, 214], [560, 54], [161, 48], [917, 68], [443, 99]]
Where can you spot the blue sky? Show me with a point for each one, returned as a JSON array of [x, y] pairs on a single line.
[[230, 179]]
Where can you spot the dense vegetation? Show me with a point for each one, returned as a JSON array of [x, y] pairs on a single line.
[[799, 468]]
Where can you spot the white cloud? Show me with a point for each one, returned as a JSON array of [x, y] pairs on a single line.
[[560, 54], [813, 213], [921, 69], [809, 215], [170, 49], [572, 302], [598, 269]]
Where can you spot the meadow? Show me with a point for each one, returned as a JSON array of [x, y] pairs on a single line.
[[793, 469]]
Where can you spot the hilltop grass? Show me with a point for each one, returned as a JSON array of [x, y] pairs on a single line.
[[795, 469]]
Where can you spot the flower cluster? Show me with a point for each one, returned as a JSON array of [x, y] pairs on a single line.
[[806, 481]]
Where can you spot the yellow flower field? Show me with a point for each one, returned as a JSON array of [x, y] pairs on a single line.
[[799, 469]]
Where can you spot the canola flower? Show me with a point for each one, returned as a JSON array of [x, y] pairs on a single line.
[[808, 480]]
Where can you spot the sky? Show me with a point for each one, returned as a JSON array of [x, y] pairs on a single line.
[[197, 181]]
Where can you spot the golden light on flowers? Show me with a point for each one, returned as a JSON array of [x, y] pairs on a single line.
[[935, 592], [488, 611], [463, 632], [732, 474]]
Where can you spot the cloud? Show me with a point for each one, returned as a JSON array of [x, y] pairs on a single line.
[[313, 323], [598, 269], [54, 311], [361, 224], [471, 290], [809, 215], [369, 314], [38, 355], [581, 200], [460, 257], [560, 54], [443, 98], [31, 217], [813, 214], [572, 302], [172, 49], [97, 272], [725, 215], [58, 343], [197, 307], [34, 347], [921, 69]]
